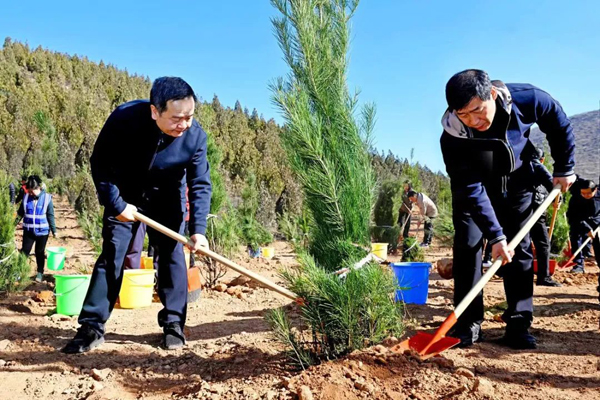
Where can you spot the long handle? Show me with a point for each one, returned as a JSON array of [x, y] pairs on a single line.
[[238, 268], [581, 247], [553, 222]]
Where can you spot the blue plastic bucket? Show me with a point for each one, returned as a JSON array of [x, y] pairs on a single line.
[[413, 281]]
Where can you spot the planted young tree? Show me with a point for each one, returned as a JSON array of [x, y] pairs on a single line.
[[325, 142], [328, 148], [14, 268], [252, 231], [389, 201], [222, 224]]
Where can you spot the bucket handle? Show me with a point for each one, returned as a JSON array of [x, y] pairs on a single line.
[[134, 283], [69, 291], [412, 286]]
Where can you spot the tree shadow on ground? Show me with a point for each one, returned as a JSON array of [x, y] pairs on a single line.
[[215, 330], [561, 309], [593, 296]]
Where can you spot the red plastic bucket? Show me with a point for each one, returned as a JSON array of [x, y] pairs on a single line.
[[552, 266]]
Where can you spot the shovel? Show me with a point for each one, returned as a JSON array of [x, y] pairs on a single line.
[[206, 252], [581, 248], [427, 345]]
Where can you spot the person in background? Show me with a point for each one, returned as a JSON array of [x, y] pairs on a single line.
[[583, 216], [37, 211], [405, 212], [22, 189], [428, 213], [539, 231], [12, 195]]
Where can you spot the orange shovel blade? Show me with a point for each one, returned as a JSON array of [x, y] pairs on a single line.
[[421, 344]]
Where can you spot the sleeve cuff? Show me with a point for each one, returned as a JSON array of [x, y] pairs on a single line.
[[557, 174], [498, 239]]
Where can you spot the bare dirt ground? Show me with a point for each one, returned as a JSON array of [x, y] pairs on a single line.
[[231, 354]]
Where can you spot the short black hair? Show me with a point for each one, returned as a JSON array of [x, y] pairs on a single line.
[[465, 85], [539, 153], [33, 182], [407, 182], [169, 88], [588, 184], [411, 193]]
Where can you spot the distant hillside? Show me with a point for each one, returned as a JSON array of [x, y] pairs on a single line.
[[587, 143], [52, 106]]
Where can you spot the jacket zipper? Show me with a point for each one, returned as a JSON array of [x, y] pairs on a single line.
[[160, 140], [512, 159]]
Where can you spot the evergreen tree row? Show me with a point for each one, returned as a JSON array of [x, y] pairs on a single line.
[[52, 106]]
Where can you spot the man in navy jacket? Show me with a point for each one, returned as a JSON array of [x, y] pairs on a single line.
[[143, 158], [488, 155], [583, 216]]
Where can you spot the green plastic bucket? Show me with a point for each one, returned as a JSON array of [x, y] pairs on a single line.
[[56, 258], [70, 293]]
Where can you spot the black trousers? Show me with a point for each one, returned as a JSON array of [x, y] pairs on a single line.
[[29, 238], [108, 272], [578, 236], [541, 241], [512, 212], [428, 231]]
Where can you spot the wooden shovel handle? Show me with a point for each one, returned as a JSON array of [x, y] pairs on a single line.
[[595, 233], [209, 253], [553, 222]]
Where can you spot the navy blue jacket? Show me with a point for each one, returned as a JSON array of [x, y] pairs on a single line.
[[134, 162], [478, 166], [583, 215]]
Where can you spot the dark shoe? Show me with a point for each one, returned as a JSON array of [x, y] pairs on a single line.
[[519, 340], [173, 337], [578, 269], [468, 336], [85, 340], [548, 281]]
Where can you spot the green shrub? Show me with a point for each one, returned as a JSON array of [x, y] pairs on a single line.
[[560, 235], [444, 227], [295, 229], [412, 252], [14, 268], [386, 234], [91, 224], [223, 238], [251, 231], [340, 315]]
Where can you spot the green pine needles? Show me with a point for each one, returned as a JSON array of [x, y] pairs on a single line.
[[342, 314], [14, 268], [328, 148]]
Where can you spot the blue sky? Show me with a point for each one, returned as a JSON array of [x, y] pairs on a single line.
[[401, 56]]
